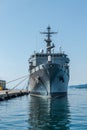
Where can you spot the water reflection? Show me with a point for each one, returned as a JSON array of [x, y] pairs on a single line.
[[49, 114]]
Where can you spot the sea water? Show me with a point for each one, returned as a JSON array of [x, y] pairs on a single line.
[[36, 113]]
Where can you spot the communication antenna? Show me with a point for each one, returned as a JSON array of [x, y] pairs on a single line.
[[48, 40], [60, 50]]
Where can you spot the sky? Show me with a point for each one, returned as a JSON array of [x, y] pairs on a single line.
[[21, 22]]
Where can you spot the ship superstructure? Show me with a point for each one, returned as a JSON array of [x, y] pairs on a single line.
[[49, 71]]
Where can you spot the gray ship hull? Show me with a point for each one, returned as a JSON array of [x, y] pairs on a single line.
[[49, 80]]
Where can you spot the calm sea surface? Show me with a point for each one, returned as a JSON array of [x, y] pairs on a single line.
[[31, 113]]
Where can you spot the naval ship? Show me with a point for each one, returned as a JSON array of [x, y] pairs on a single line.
[[48, 70]]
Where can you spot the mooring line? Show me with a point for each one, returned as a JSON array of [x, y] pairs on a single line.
[[17, 79], [18, 84]]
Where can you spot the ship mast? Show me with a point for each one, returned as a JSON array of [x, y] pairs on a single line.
[[48, 40]]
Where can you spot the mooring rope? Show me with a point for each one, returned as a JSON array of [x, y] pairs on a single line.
[[18, 84], [17, 79]]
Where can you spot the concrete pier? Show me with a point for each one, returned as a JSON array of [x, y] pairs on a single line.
[[9, 94]]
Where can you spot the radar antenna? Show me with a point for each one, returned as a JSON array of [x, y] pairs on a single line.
[[48, 40]]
